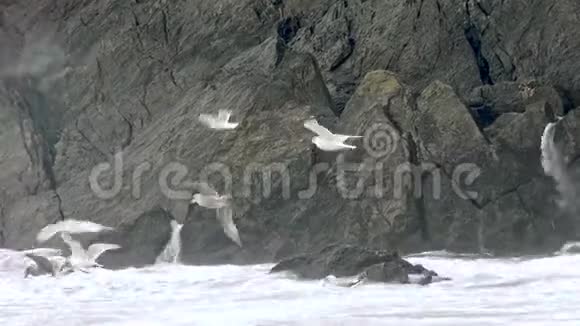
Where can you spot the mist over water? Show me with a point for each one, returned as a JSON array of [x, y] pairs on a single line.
[[484, 291]]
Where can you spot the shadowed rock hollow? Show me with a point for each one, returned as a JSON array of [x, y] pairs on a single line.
[[461, 88]]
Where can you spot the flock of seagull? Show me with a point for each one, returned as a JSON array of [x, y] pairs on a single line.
[[208, 197], [326, 141], [51, 261]]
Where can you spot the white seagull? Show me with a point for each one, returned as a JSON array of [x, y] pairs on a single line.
[[70, 226], [53, 265], [209, 198], [326, 140], [221, 121], [81, 258], [46, 252]]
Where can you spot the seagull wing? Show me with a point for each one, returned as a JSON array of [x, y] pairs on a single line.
[[43, 263], [45, 252], [205, 189], [57, 263], [70, 226], [97, 249], [207, 119], [76, 250], [318, 129], [225, 217], [224, 115], [342, 138]]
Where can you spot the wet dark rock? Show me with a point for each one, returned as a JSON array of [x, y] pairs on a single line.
[[337, 260], [345, 260], [141, 241]]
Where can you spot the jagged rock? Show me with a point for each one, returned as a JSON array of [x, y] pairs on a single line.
[[449, 135], [24, 217], [415, 39], [374, 176], [505, 161], [569, 136], [522, 53], [141, 241], [337, 260], [344, 261], [507, 97], [132, 78], [450, 219]]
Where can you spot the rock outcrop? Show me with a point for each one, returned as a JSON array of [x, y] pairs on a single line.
[[344, 261], [98, 120]]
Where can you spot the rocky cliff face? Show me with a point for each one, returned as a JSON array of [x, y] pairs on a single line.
[[460, 90]]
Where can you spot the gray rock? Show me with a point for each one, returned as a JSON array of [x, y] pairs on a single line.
[[466, 83], [345, 261], [141, 241]]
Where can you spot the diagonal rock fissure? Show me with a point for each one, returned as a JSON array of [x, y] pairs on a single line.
[[165, 25], [482, 9], [39, 138], [418, 16], [59, 205], [419, 202], [287, 29], [473, 37], [88, 140], [345, 55]]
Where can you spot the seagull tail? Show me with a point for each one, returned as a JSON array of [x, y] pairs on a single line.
[[347, 136]]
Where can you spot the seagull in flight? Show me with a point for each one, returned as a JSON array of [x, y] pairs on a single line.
[[209, 198], [71, 226], [221, 121], [326, 140], [46, 252], [80, 258]]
